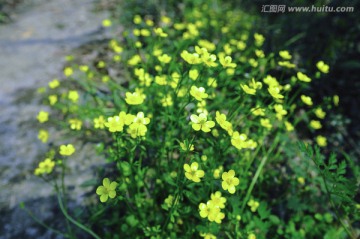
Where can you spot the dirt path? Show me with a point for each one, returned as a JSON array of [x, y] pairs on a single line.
[[32, 51]]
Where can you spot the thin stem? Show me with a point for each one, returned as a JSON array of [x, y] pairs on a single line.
[[76, 223]]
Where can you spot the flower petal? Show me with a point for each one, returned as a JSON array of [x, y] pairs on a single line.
[[104, 198]]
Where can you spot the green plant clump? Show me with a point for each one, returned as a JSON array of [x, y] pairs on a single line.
[[199, 135]]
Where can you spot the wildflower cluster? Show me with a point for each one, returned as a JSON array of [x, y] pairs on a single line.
[[198, 94]]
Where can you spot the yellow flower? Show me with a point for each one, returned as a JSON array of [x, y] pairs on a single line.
[[212, 82], [198, 93], [159, 32], [320, 113], [251, 236], [161, 80], [75, 124], [286, 64], [165, 58], [253, 205], [106, 23], [137, 19], [221, 120], [45, 167], [301, 180], [280, 112], [258, 111], [275, 92], [134, 98], [43, 135], [315, 124], [145, 32], [302, 77], [229, 181], [167, 101], [73, 95], [191, 58], [208, 236], [265, 123], [107, 190], [99, 123], [248, 90], [68, 71], [134, 60], [238, 140], [114, 124], [217, 200], [209, 59], [54, 83], [324, 68], [67, 150], [307, 100], [211, 211], [43, 116], [52, 99], [201, 123], [227, 62], [185, 147], [193, 74], [289, 126], [285, 55], [138, 127], [271, 81], [259, 39], [193, 172], [321, 141], [336, 100]]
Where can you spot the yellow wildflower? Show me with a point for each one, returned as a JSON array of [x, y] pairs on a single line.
[[275, 92], [73, 95], [227, 62], [253, 205], [217, 200], [67, 150], [321, 141], [193, 173], [52, 99], [164, 58], [265, 123], [201, 123], [106, 23], [324, 68], [107, 190], [68, 71], [42, 116], [307, 100], [45, 167], [289, 126], [54, 83], [198, 93], [134, 98], [280, 112], [315, 124], [193, 74], [75, 124], [229, 181], [99, 123], [285, 55], [320, 113], [336, 100], [114, 124], [43, 135], [302, 77]]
